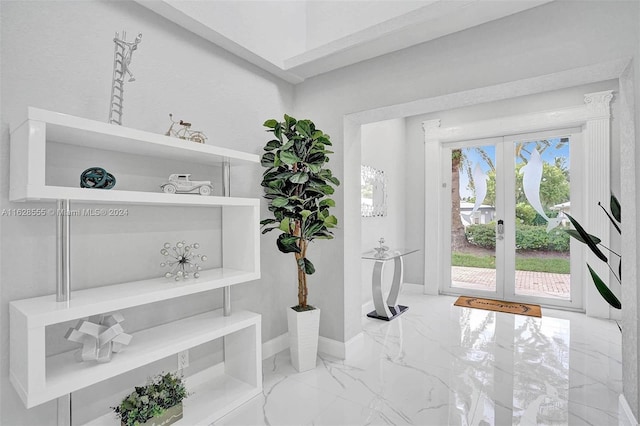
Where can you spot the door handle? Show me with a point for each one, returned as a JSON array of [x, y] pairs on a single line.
[[500, 229]]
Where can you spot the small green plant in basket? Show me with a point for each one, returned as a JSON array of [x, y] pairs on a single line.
[[157, 403]]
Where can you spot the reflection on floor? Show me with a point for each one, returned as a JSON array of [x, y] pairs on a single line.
[[440, 364]]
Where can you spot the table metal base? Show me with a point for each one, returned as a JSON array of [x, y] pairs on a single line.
[[396, 311]]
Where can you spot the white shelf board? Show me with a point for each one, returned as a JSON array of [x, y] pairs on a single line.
[[69, 129], [65, 375], [210, 399], [44, 310], [114, 196]]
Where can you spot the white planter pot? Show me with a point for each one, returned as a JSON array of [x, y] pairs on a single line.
[[304, 328]]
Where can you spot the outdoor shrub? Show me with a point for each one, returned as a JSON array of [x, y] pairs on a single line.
[[525, 213], [559, 240], [483, 235], [528, 237]]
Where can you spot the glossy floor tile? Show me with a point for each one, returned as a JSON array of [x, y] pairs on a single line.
[[440, 364]]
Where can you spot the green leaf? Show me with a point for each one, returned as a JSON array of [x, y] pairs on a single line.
[[331, 222], [616, 210], [284, 225], [288, 157], [267, 159], [327, 202], [304, 128], [334, 180], [288, 145], [272, 144], [306, 265], [270, 123], [305, 214], [300, 177], [312, 229], [314, 168], [288, 243], [575, 234], [620, 270], [604, 291], [611, 219], [267, 222], [289, 121], [324, 139], [587, 240], [280, 202]]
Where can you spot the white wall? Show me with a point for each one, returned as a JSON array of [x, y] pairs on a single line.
[[551, 38], [631, 244], [58, 56], [328, 21], [383, 147], [281, 25], [521, 105]]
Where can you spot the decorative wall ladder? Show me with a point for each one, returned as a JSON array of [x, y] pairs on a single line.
[[123, 51]]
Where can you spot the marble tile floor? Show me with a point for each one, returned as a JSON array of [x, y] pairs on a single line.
[[440, 364]]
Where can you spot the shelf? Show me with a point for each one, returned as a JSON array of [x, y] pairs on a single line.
[[64, 375], [114, 196], [44, 146], [213, 394], [68, 129], [44, 310], [29, 158]]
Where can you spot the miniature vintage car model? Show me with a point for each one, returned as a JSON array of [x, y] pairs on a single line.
[[182, 184]]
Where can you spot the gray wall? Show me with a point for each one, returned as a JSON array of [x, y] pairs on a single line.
[[630, 158], [555, 37], [383, 147], [58, 56]]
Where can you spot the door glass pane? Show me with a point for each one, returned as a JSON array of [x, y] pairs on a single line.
[[542, 199], [473, 237]]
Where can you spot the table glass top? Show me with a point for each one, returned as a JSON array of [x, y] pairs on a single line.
[[388, 254]]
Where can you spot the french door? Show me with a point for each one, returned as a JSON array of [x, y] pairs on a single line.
[[507, 201]]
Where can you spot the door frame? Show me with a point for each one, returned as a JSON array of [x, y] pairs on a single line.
[[505, 209], [593, 117]]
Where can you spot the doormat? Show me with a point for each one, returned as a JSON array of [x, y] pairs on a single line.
[[499, 306]]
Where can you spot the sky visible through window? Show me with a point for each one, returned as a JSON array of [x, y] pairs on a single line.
[[548, 156]]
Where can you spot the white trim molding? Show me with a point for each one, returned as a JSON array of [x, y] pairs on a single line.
[[593, 116], [341, 350], [625, 415], [275, 345], [596, 106], [334, 348]]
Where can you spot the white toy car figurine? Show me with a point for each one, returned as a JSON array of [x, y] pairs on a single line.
[[182, 184]]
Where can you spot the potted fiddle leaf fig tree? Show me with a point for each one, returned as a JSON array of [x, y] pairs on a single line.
[[298, 187]]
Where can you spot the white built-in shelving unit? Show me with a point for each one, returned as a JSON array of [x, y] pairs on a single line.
[[39, 378]]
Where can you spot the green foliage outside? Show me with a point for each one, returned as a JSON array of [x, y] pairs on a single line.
[[557, 266], [152, 400], [554, 187], [528, 237]]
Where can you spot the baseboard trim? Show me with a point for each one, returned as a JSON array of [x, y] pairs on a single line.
[[625, 415], [275, 345], [340, 350], [367, 307], [334, 348]]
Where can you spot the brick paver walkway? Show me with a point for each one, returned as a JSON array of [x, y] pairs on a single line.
[[528, 283]]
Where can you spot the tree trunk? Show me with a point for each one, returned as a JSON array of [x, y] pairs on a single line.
[[458, 237]]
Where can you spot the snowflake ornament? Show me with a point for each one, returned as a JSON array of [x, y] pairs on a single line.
[[182, 260]]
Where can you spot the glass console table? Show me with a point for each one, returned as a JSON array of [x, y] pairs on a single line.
[[389, 310]]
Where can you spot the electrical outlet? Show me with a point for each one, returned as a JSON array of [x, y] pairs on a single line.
[[183, 359]]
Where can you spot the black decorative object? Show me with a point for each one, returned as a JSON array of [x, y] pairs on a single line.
[[96, 177]]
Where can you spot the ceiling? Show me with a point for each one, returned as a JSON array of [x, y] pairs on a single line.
[[299, 39]]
